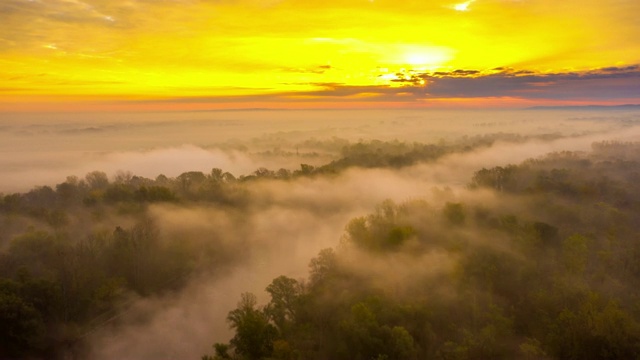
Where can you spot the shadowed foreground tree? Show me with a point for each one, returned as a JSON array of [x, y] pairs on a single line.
[[285, 293], [254, 333]]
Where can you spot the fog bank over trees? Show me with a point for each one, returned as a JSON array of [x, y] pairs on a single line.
[[342, 235], [42, 149]]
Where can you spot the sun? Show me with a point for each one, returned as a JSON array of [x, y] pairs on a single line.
[[422, 59], [419, 59]]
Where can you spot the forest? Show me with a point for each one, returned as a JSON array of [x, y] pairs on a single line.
[[535, 260]]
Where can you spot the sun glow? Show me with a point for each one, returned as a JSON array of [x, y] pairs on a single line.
[[463, 6], [420, 57], [422, 61]]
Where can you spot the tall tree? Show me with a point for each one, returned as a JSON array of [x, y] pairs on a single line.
[[254, 334]]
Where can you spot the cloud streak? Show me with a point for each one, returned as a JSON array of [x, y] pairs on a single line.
[[605, 84]]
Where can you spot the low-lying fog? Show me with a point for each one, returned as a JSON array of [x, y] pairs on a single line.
[[291, 221], [42, 149]]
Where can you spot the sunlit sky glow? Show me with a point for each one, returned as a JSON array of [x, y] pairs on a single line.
[[463, 6], [129, 54]]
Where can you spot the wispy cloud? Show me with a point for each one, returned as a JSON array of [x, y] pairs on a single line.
[[59, 10]]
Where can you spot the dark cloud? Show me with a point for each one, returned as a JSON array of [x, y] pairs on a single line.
[[605, 83], [618, 69], [456, 73], [408, 78]]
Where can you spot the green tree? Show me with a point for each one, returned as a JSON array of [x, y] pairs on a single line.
[[22, 326], [254, 334], [366, 337], [575, 252], [322, 266], [594, 329], [454, 213], [97, 180], [285, 293]]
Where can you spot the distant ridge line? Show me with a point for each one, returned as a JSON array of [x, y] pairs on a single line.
[[587, 107]]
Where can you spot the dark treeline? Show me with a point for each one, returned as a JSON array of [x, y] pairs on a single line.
[[219, 186], [555, 277]]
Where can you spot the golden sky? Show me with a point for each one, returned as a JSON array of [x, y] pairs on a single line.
[[330, 53]]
